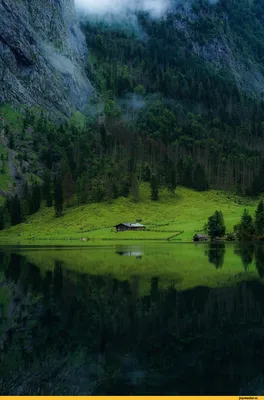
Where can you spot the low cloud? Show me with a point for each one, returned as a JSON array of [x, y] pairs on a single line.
[[102, 8]]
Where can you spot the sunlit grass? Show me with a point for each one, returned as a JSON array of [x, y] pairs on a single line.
[[185, 212]]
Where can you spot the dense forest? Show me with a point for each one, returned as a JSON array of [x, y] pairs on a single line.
[[170, 112]]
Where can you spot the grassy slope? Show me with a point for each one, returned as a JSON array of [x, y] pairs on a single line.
[[187, 211]]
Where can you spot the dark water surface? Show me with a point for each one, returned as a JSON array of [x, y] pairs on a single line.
[[135, 319]]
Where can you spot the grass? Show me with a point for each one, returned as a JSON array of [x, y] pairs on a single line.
[[186, 212]]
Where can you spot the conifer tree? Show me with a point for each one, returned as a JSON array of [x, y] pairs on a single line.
[[135, 188], [200, 182], [245, 230], [216, 225], [154, 187], [2, 221], [47, 189], [35, 198], [259, 219], [58, 196]]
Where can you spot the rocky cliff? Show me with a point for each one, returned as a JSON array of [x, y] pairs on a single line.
[[42, 55]]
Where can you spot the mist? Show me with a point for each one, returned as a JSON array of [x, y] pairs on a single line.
[[100, 8]]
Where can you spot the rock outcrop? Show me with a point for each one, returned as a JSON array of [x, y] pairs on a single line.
[[43, 55]]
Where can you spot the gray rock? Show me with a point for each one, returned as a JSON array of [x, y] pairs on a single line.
[[43, 55]]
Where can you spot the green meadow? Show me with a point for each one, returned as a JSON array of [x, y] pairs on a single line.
[[175, 218]]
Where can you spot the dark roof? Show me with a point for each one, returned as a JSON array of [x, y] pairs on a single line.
[[131, 225], [201, 235]]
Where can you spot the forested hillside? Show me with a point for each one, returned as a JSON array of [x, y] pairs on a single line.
[[180, 103], [199, 75]]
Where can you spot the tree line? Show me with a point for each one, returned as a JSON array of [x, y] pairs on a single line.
[[249, 227]]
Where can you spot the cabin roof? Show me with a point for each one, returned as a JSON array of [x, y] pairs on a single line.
[[201, 235], [132, 225]]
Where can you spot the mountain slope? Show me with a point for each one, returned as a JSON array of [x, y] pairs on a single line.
[[42, 56]]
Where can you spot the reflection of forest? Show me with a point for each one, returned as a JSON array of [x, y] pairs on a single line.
[[67, 333], [249, 253], [216, 254]]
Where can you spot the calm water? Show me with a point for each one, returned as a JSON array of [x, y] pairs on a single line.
[[179, 319]]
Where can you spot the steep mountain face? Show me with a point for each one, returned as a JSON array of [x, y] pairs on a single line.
[[182, 95], [229, 36], [42, 55]]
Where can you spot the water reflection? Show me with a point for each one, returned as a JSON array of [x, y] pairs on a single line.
[[246, 252], [69, 332], [216, 254], [130, 251]]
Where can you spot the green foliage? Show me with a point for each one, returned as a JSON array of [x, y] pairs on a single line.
[[188, 103], [58, 196], [154, 186], [183, 118], [216, 225], [111, 109], [245, 230], [200, 181], [47, 189], [259, 220]]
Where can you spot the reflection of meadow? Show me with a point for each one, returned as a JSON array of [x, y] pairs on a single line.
[[182, 265]]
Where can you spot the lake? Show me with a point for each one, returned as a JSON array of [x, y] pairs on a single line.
[[132, 319]]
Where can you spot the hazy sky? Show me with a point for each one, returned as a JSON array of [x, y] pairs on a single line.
[[101, 7]]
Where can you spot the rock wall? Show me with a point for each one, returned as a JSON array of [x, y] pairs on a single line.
[[43, 55]]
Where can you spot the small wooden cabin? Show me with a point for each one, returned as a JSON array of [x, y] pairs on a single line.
[[128, 226], [200, 237]]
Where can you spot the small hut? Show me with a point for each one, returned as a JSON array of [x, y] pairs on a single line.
[[200, 237], [128, 226]]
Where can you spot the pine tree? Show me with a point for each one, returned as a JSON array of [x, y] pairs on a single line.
[[245, 230], [15, 210], [25, 201], [35, 198], [58, 196], [154, 187], [200, 181], [171, 178], [146, 175], [2, 164], [216, 225], [2, 221], [258, 182], [259, 219], [47, 189], [79, 191], [11, 141], [186, 169], [6, 215], [135, 188], [68, 187]]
